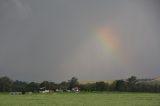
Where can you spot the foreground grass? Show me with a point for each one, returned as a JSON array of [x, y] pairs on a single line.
[[82, 99]]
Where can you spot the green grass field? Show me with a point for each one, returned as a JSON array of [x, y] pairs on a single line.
[[82, 99]]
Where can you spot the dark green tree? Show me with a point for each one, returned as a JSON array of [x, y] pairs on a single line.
[[45, 84], [120, 85], [19, 86], [64, 85], [131, 82], [48, 85], [52, 86], [73, 82], [5, 84], [33, 87], [100, 86]]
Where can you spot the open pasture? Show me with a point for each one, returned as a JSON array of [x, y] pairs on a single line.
[[82, 99]]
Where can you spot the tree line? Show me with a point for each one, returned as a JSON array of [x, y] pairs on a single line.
[[129, 85]]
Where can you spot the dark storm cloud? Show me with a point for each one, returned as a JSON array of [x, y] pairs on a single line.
[[55, 39]]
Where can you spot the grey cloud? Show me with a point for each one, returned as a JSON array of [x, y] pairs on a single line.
[[14, 9], [56, 39]]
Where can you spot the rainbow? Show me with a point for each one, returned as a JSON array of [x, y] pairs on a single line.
[[111, 42], [108, 40]]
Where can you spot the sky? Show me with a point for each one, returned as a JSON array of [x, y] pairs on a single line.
[[55, 40]]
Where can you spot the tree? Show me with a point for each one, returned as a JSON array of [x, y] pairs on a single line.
[[19, 86], [45, 84], [100, 86], [5, 84], [49, 85], [120, 85], [131, 83], [33, 87], [112, 86], [132, 79], [52, 86], [64, 85], [88, 87], [73, 83]]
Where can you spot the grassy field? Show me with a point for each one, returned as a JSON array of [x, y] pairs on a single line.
[[82, 99]]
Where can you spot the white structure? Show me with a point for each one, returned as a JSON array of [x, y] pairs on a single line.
[[59, 90], [75, 89], [43, 90], [16, 93]]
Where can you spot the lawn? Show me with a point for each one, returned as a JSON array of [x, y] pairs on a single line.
[[82, 99]]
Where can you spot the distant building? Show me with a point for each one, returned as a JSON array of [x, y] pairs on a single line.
[[44, 90], [75, 89]]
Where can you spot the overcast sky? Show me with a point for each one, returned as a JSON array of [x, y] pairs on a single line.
[[57, 39]]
